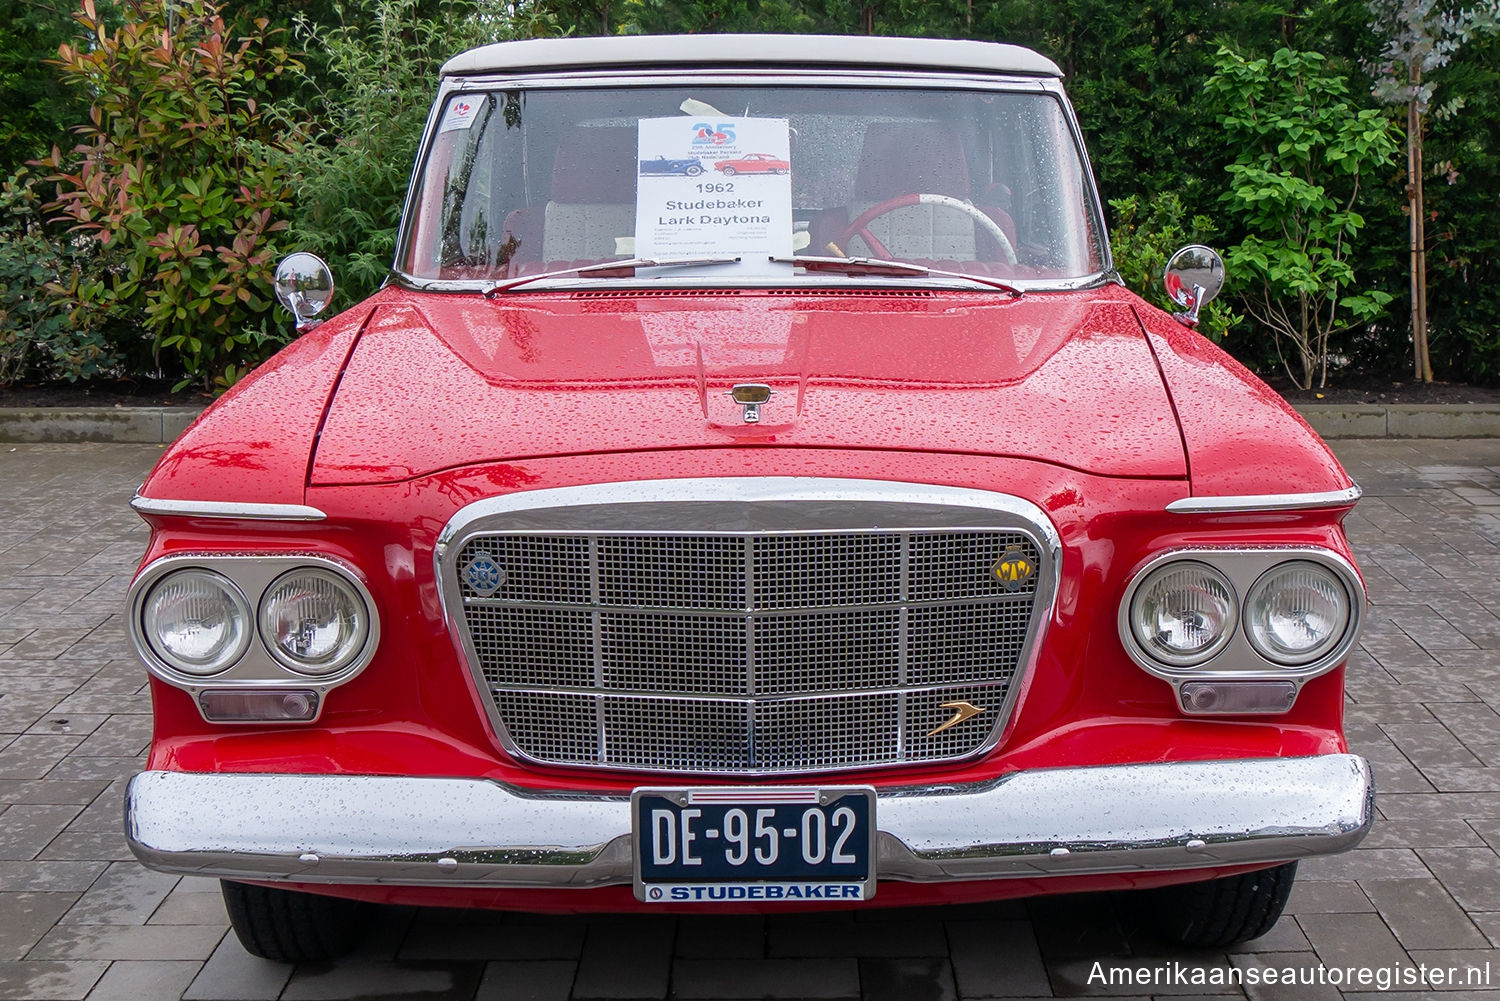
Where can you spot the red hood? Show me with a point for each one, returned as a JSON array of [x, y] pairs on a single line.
[[442, 380]]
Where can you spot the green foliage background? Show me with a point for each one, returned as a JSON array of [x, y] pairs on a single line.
[[339, 121]]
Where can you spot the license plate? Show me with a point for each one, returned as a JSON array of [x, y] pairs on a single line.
[[762, 844]]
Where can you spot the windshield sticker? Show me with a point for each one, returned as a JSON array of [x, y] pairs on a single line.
[[713, 185], [460, 114]]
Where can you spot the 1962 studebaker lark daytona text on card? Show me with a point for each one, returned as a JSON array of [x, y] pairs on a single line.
[[721, 540]]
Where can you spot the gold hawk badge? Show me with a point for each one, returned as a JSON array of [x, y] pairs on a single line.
[[1013, 569], [961, 712]]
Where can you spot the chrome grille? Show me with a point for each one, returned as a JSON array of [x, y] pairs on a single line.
[[746, 652]]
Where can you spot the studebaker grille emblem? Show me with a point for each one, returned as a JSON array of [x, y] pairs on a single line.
[[1013, 569], [484, 576], [961, 712]]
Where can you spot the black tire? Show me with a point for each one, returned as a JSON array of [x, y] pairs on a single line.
[[694, 170], [294, 927], [1217, 913]]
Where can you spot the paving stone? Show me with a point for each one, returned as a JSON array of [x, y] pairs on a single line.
[[1352, 940], [126, 894], [741, 936], [232, 974], [1424, 744], [545, 980], [26, 829], [626, 959], [144, 980], [373, 981], [26, 917], [1364, 863], [1422, 915], [997, 959], [1470, 875], [1326, 896], [50, 877], [197, 907], [88, 845], [1422, 834], [48, 981], [907, 978], [849, 938], [32, 756], [762, 978], [128, 942], [487, 940], [50, 792]]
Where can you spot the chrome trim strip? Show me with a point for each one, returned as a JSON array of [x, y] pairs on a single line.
[[420, 831], [745, 506], [226, 509], [1266, 502]]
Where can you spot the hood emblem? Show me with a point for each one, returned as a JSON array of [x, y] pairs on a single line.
[[752, 396], [961, 712]]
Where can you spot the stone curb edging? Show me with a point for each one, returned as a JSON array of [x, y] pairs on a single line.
[[160, 425], [132, 425]]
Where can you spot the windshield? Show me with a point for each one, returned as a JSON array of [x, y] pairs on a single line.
[[980, 182]]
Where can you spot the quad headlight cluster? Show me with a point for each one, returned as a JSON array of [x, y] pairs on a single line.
[[1241, 615], [253, 623]]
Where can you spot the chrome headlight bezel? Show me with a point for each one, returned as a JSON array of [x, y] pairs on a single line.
[[1320, 650], [1215, 578], [236, 605], [1238, 658], [253, 574]]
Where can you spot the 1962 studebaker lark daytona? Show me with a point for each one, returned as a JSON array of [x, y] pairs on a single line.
[[845, 537]]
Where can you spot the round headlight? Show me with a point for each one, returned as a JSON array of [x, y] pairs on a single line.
[[1183, 613], [314, 621], [1296, 613], [196, 621]]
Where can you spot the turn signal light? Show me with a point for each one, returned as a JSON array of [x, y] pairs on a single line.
[[1229, 698], [273, 705]]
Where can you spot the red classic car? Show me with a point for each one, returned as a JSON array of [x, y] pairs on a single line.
[[652, 547], [753, 163]]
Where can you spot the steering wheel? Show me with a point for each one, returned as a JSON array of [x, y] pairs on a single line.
[[860, 227]]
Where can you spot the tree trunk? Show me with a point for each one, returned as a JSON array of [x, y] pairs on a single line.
[[1423, 361]]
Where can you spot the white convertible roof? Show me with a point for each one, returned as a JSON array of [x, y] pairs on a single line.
[[705, 51]]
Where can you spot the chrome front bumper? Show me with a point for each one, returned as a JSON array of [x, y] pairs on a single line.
[[473, 832]]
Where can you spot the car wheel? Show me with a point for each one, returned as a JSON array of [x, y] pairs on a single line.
[[694, 170], [1219, 912], [728, 171], [293, 927]]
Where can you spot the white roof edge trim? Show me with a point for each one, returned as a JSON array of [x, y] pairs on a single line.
[[771, 51]]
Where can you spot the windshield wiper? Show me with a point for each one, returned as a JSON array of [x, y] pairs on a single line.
[[876, 266], [588, 269]]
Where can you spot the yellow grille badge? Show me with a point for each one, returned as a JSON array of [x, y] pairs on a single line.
[[1013, 569], [961, 712]]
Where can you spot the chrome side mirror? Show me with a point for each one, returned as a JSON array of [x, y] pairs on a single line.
[[1194, 277], [304, 285]]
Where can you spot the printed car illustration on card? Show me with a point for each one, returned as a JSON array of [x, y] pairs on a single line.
[[662, 165], [874, 547], [753, 163]]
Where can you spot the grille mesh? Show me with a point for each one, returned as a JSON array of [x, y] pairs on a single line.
[[733, 653]]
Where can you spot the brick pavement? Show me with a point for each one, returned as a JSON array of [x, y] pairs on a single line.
[[79, 919]]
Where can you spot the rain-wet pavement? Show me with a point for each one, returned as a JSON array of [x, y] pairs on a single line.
[[80, 919]]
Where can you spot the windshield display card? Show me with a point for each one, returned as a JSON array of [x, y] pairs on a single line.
[[712, 185]]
